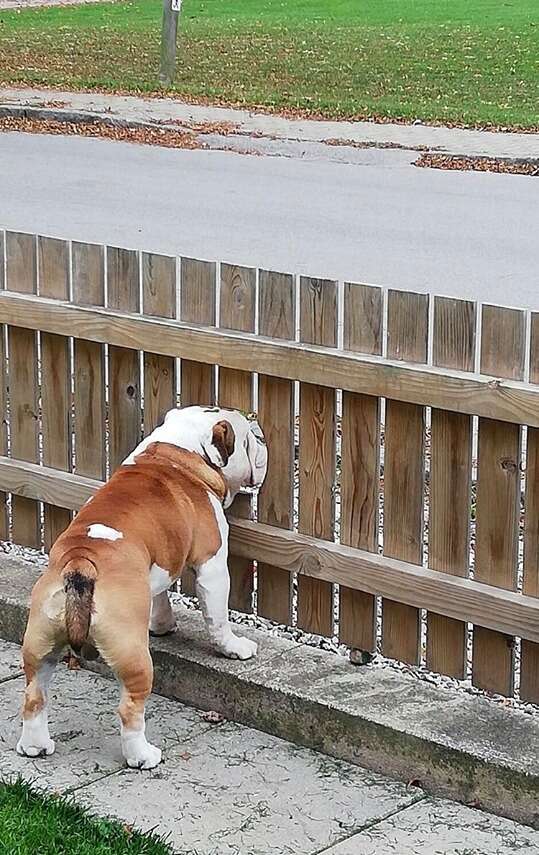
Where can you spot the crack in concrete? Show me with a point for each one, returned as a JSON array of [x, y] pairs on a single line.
[[11, 677], [371, 824]]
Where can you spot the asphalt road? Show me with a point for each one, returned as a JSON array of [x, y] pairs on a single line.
[[379, 221]]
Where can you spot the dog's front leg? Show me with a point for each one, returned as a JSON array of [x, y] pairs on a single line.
[[213, 588], [162, 620]]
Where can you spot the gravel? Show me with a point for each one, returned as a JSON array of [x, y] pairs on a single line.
[[378, 662]]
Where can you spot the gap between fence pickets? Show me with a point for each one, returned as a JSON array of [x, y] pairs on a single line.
[[474, 394], [452, 596]]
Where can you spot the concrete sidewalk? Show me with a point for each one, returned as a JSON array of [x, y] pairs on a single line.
[[242, 130], [225, 789]]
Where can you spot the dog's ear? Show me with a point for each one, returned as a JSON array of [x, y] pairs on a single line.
[[219, 446]]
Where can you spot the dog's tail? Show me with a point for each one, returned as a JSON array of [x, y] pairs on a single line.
[[79, 577]]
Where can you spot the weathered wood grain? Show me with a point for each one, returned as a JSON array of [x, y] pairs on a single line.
[[498, 494], [509, 401], [276, 319], [124, 411], [158, 300], [4, 519], [197, 307], [450, 482], [88, 282], [458, 598], [529, 655], [21, 276], [407, 334], [53, 268], [360, 464], [318, 325], [237, 311]]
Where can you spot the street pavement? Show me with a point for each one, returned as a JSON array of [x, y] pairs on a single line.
[[378, 220], [225, 789]]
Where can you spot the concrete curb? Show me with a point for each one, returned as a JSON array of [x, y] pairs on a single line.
[[449, 743], [351, 147]]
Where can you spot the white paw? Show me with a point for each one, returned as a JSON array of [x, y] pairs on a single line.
[[27, 749], [238, 647], [144, 758]]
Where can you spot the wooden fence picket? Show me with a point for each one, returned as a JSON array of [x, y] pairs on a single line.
[[276, 319], [318, 325], [407, 335], [21, 276], [88, 277], [4, 519], [450, 482], [529, 675], [498, 496], [53, 267], [124, 410], [197, 306], [158, 300], [237, 312], [360, 463]]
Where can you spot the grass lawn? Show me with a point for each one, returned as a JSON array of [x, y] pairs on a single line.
[[465, 61], [35, 824]]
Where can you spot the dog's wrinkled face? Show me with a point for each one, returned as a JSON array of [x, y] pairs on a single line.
[[228, 440]]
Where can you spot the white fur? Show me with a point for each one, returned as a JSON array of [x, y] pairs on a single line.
[[160, 580], [35, 738], [162, 620], [191, 428], [104, 532], [213, 588], [138, 752]]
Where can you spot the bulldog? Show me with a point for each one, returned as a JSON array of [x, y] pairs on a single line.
[[106, 584]]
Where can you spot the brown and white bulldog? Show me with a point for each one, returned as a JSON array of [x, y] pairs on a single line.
[[108, 575]]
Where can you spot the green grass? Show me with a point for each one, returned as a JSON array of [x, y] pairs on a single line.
[[465, 61], [32, 823]]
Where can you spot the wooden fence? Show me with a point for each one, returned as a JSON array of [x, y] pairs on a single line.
[[401, 506]]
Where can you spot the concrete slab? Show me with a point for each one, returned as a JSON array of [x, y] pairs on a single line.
[[10, 661], [235, 790], [84, 725], [442, 828], [456, 745]]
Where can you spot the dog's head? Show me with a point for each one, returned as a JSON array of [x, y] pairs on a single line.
[[227, 439]]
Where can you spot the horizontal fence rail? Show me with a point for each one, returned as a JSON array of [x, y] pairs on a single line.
[[400, 512], [461, 599], [457, 391]]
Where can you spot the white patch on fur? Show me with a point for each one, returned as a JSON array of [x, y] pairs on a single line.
[[213, 588], [104, 532], [160, 580], [138, 752]]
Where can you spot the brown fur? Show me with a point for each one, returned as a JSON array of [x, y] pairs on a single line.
[[161, 506]]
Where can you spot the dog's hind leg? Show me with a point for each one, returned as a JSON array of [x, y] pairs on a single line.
[[40, 660], [120, 632], [43, 642], [135, 673]]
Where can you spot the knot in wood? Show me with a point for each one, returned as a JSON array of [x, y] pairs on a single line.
[[130, 391], [508, 465], [310, 565]]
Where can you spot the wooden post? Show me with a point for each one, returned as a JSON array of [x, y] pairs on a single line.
[[169, 32]]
